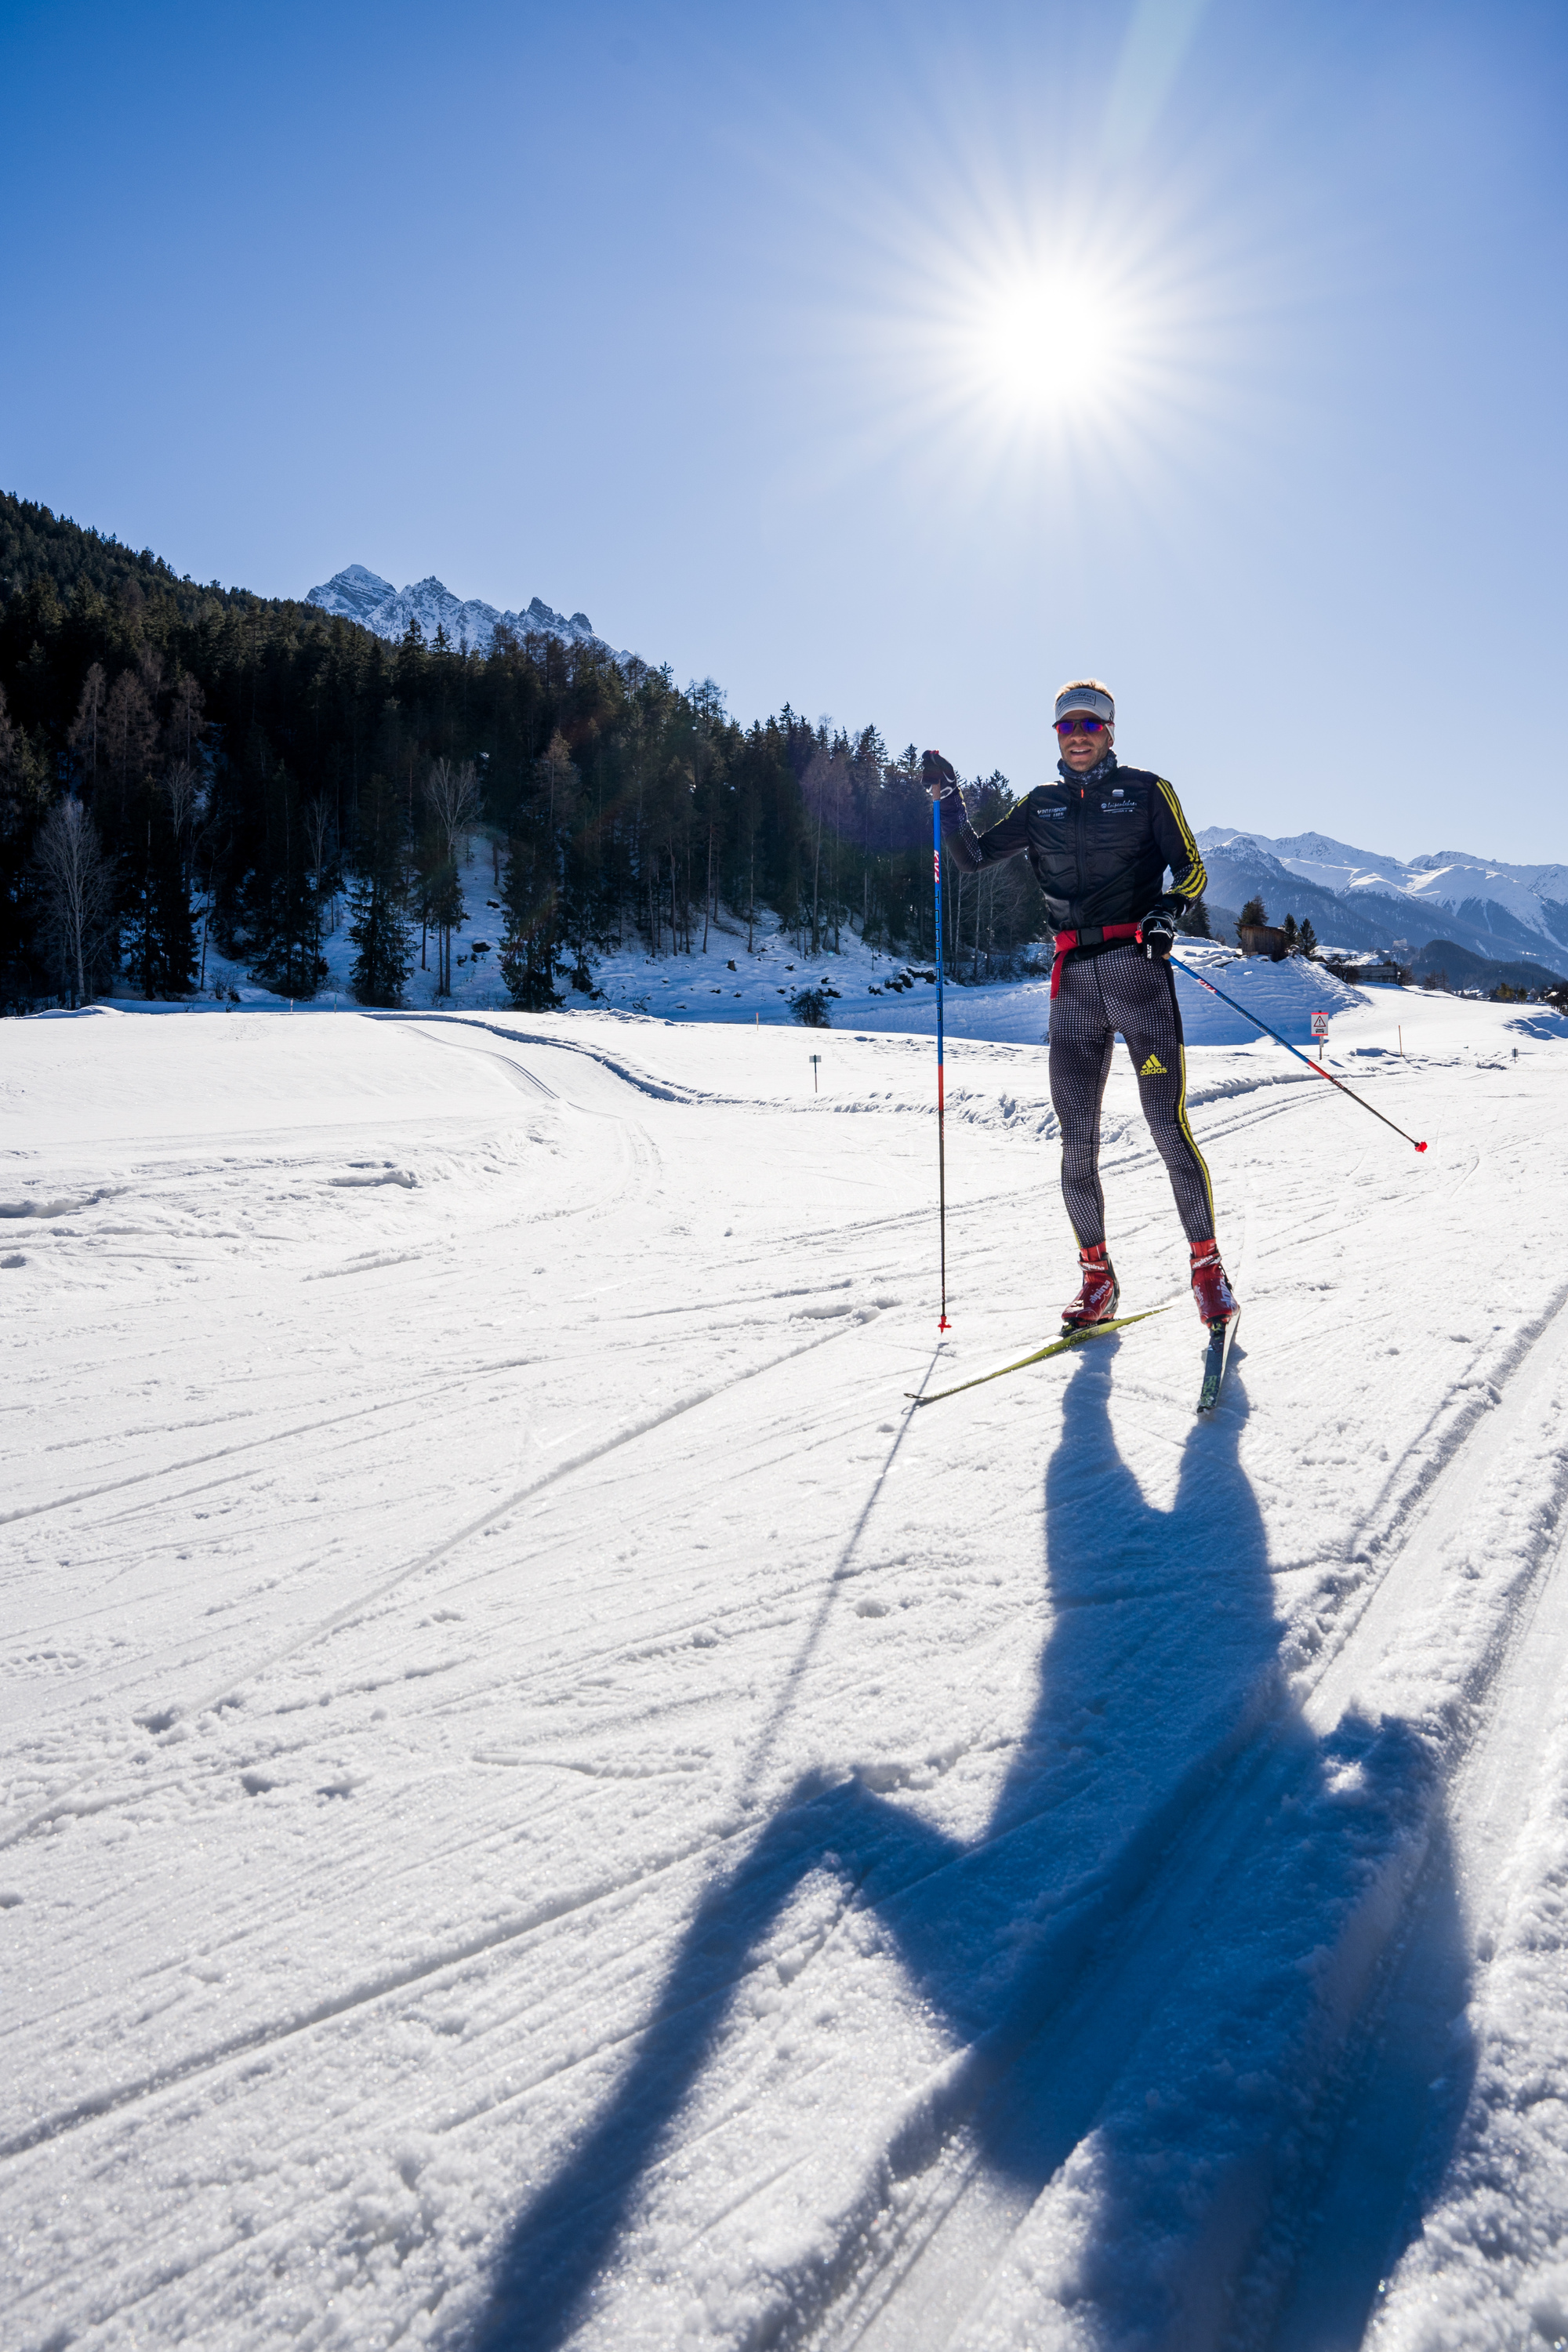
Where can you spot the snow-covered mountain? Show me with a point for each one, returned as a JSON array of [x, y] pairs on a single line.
[[364, 596], [1500, 910]]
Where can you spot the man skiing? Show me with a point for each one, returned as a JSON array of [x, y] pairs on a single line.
[[1099, 843]]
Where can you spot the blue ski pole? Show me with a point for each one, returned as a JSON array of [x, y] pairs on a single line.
[[1316, 1067], [940, 1107]]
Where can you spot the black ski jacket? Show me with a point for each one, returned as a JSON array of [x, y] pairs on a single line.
[[1098, 845]]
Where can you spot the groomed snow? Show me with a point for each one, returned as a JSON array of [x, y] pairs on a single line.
[[546, 1804]]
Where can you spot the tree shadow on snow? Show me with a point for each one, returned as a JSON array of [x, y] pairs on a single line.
[[1146, 1960]]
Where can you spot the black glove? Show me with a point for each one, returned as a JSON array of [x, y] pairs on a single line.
[[939, 776], [1157, 930]]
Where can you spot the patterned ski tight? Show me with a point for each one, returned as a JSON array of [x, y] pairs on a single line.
[[1122, 989]]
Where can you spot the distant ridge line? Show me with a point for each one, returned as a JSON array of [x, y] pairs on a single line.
[[357, 593]]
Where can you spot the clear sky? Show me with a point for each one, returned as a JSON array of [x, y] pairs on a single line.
[[897, 361]]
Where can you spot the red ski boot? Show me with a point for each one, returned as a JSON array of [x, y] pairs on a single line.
[[1096, 1302], [1215, 1299]]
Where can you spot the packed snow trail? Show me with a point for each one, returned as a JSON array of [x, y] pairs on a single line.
[[549, 1806]]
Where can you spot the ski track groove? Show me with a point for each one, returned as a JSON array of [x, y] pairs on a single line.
[[1404, 2033], [432, 1555], [1220, 1805]]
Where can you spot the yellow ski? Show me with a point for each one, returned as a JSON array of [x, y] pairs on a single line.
[[1056, 1348]]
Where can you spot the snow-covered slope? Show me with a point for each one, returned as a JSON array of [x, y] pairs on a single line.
[[1502, 910], [361, 595], [863, 988], [547, 1805]]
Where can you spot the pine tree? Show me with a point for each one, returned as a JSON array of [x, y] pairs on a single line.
[[1252, 914], [379, 929], [160, 925], [1306, 938], [1194, 923], [527, 946], [1293, 944]]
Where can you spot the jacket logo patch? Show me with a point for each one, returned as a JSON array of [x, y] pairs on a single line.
[[1154, 1069], [1050, 812], [1118, 808]]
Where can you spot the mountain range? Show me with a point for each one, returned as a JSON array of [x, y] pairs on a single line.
[[1361, 899], [364, 596]]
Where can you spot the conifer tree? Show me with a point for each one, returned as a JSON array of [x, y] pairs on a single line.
[[526, 945], [160, 927], [379, 929]]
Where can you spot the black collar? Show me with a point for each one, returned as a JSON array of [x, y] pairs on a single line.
[[1101, 773]]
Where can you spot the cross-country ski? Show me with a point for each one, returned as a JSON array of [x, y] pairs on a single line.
[[1054, 1348], [1216, 1356]]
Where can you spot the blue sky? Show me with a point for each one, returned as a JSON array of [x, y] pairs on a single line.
[[899, 361]]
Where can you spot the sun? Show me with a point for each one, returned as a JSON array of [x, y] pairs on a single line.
[[1044, 342], [1042, 345]]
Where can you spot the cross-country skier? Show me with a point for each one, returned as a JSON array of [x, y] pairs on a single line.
[[1099, 843]]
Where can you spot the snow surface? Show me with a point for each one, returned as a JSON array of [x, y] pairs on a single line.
[[364, 596], [548, 1804]]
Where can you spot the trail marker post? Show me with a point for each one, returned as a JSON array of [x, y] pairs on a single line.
[[1321, 1031], [814, 1059]]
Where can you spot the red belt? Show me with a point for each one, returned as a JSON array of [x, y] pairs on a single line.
[[1089, 936]]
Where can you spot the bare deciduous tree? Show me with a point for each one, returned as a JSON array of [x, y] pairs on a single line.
[[86, 738], [452, 796], [78, 893], [183, 787], [186, 726], [129, 730], [150, 664]]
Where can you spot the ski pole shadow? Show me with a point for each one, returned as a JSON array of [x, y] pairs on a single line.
[[1160, 1685]]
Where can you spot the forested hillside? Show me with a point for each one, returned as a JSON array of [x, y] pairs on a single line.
[[175, 756]]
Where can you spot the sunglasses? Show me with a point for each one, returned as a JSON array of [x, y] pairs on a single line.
[[1071, 725]]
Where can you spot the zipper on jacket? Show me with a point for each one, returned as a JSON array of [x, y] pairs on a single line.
[[1078, 854]]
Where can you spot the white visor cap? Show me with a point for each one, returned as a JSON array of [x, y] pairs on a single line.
[[1096, 700]]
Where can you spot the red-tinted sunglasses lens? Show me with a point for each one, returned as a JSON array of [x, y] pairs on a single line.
[[1080, 719]]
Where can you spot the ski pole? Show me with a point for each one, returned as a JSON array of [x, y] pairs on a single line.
[[940, 1110], [1316, 1067]]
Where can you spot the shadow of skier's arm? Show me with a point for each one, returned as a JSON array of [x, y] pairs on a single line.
[[560, 2242]]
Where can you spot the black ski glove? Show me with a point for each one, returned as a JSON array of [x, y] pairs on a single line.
[[939, 776], [1157, 931]]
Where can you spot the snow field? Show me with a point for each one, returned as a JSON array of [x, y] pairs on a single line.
[[722, 982], [545, 1805]]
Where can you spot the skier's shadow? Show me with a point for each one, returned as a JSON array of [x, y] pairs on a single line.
[[1161, 1668]]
